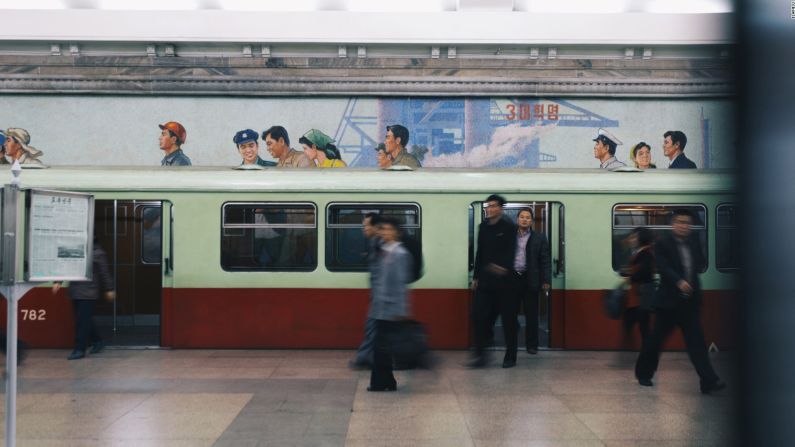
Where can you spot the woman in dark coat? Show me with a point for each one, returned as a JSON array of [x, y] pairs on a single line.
[[640, 276]]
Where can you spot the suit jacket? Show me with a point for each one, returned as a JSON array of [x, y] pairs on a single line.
[[496, 245], [682, 162], [669, 265], [390, 285], [537, 262]]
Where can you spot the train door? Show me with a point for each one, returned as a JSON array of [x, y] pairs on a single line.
[[549, 221], [131, 231], [554, 300]]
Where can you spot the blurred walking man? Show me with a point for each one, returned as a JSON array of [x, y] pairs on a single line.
[[679, 259], [493, 265], [364, 355]]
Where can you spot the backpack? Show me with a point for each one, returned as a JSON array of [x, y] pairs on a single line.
[[415, 250]]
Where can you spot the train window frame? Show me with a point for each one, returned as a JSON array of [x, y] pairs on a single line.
[[330, 227], [242, 227], [702, 227], [143, 259], [718, 228]]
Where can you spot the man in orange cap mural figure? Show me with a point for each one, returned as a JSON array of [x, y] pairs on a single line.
[[172, 138]]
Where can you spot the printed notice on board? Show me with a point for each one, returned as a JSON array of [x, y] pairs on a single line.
[[58, 236]]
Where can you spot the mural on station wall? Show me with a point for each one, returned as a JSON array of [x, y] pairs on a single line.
[[444, 132]]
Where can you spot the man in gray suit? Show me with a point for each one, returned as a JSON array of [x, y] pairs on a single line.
[[390, 303], [364, 355]]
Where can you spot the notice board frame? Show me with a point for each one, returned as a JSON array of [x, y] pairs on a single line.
[[88, 243]]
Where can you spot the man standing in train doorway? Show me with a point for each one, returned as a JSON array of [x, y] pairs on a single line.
[[674, 148], [172, 137], [531, 273], [605, 150], [490, 281], [397, 137], [679, 259]]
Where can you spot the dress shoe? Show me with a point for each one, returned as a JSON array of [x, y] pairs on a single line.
[[645, 382], [76, 354], [712, 387], [374, 389], [532, 351], [508, 362], [98, 347], [477, 362]]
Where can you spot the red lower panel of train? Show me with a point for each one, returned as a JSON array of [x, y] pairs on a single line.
[[334, 318]]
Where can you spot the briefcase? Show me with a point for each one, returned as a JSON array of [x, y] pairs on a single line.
[[615, 301], [409, 345]]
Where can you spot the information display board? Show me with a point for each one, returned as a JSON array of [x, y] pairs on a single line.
[[59, 236]]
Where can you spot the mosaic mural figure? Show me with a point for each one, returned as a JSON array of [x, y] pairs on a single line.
[[172, 137], [17, 148], [247, 145]]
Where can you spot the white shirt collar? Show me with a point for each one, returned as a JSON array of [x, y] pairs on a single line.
[[390, 246]]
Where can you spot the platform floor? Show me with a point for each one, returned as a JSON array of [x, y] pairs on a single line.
[[250, 398]]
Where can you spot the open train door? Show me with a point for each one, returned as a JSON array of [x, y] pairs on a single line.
[[549, 221], [167, 268], [131, 233], [552, 308]]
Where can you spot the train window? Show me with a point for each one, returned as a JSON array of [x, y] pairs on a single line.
[[627, 217], [150, 235], [345, 242], [727, 238], [269, 236]]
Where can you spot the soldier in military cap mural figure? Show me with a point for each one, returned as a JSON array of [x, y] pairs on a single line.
[[247, 145], [319, 149], [172, 138], [17, 148], [605, 150], [278, 143], [397, 137]]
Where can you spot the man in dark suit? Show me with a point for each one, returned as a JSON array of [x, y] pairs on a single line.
[[674, 148], [679, 259], [531, 274], [493, 265]]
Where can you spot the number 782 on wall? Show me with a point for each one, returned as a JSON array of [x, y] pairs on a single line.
[[34, 314]]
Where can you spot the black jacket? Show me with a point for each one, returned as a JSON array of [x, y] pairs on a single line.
[[642, 267], [496, 244], [682, 162], [669, 265], [102, 280], [539, 270]]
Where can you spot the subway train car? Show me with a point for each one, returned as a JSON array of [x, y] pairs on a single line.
[[224, 258]]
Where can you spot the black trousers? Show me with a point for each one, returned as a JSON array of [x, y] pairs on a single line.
[[639, 315], [85, 330], [529, 299], [490, 300], [687, 317], [381, 375]]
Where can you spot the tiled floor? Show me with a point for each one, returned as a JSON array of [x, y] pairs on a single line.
[[310, 398]]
